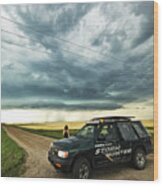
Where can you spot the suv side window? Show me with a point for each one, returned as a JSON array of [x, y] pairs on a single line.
[[127, 131], [139, 129], [108, 132]]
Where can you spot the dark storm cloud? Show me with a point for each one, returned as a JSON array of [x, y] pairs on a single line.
[[147, 10], [62, 75], [60, 20], [145, 27], [63, 106]]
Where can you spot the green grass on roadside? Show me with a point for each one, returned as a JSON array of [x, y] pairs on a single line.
[[57, 134], [12, 156]]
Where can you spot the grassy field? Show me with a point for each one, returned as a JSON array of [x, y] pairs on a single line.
[[72, 125], [147, 123], [12, 157], [55, 129], [52, 126], [56, 134], [149, 126]]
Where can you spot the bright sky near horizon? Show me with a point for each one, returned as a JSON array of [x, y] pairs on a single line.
[[76, 61]]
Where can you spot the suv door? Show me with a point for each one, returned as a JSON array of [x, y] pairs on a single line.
[[144, 137], [106, 145], [128, 140]]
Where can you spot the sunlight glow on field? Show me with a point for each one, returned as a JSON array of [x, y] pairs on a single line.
[[148, 123], [53, 126], [71, 125]]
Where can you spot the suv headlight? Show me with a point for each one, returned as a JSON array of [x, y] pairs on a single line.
[[63, 154]]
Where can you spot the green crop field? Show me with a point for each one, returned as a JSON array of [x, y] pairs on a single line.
[[55, 129], [56, 134], [52, 126], [72, 125], [12, 156]]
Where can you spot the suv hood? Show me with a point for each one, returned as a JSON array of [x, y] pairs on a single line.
[[72, 142]]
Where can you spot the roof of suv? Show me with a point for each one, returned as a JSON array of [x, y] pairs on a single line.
[[113, 118]]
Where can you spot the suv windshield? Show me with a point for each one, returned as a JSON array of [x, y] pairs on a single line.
[[86, 132]]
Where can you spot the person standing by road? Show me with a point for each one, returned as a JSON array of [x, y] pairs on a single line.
[[66, 133]]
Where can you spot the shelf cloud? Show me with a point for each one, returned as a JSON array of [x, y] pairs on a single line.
[[79, 56]]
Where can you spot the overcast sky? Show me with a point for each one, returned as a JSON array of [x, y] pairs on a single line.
[[78, 58]]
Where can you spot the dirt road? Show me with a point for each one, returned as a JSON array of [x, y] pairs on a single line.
[[37, 164]]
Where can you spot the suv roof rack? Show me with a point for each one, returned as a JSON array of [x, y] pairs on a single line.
[[113, 118]]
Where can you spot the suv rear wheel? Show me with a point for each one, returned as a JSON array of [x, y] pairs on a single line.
[[81, 169], [139, 159]]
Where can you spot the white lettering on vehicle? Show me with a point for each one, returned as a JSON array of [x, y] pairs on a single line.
[[111, 151]]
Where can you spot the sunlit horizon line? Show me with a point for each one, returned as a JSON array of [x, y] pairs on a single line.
[[21, 116]]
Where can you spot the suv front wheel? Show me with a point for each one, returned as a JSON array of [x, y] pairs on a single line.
[[139, 159], [81, 169]]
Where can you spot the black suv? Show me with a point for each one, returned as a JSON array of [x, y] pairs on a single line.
[[101, 142]]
